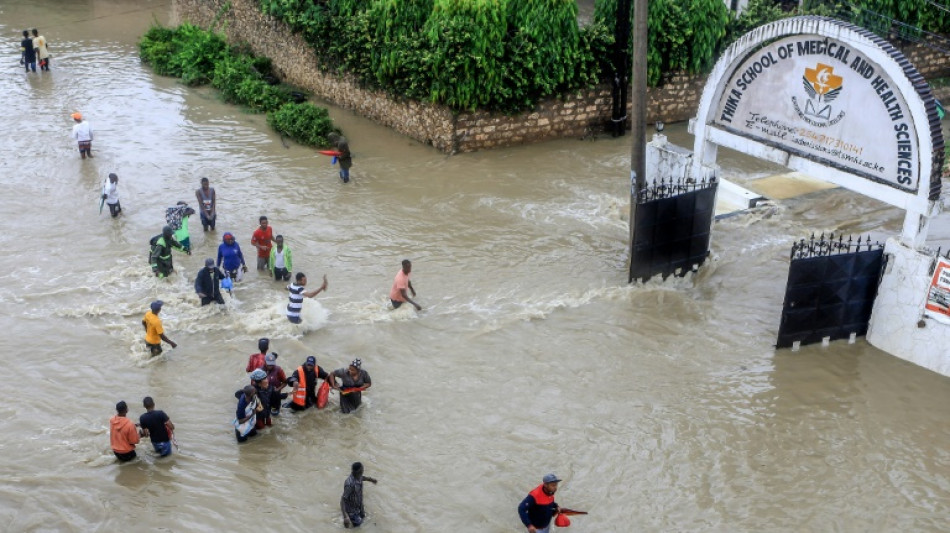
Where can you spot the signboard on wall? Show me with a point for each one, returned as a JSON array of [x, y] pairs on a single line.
[[938, 295], [822, 98]]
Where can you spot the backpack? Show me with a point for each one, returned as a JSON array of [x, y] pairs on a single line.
[[151, 247]]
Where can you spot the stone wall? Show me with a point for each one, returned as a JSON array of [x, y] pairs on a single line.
[[579, 115], [931, 63], [296, 63]]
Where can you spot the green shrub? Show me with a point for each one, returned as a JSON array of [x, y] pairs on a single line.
[[683, 36], [304, 123], [352, 48], [186, 52], [466, 40], [466, 54], [397, 53], [310, 18], [757, 13], [229, 72], [550, 26], [199, 56], [596, 43], [508, 54], [197, 52], [261, 96], [157, 50]]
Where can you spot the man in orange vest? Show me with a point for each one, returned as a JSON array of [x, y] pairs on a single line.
[[539, 507], [304, 382]]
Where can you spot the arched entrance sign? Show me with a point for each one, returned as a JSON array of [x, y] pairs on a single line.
[[834, 101]]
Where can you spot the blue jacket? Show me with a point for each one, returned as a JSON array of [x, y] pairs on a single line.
[[231, 256], [241, 406], [534, 514]]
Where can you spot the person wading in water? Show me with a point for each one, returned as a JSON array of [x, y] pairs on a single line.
[[351, 503]]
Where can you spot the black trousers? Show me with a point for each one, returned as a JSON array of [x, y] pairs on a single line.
[[207, 300]]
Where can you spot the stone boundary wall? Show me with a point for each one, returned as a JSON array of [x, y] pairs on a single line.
[[582, 114], [295, 62]]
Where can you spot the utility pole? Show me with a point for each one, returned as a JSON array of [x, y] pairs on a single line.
[[621, 62], [638, 115]]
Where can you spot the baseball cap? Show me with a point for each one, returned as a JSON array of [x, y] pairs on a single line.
[[270, 359], [311, 361], [550, 478], [156, 305]]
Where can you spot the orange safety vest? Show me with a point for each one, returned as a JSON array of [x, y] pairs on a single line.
[[300, 393], [540, 497]]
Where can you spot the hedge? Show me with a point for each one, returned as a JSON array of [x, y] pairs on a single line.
[[200, 57], [508, 54]]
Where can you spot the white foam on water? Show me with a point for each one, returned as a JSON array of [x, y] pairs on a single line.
[[497, 311], [378, 309], [270, 319], [591, 209], [111, 307]]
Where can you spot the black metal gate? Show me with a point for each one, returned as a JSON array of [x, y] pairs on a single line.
[[831, 289], [671, 227]]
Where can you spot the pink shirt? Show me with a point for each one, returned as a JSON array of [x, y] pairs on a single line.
[[401, 282]]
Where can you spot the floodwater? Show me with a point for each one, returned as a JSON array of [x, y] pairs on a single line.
[[663, 406]]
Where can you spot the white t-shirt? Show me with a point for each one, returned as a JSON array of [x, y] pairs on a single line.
[[82, 132], [111, 190], [279, 258], [39, 43]]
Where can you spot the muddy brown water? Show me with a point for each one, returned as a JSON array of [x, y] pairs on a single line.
[[663, 406]]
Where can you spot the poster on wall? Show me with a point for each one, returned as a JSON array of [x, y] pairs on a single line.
[[938, 297], [821, 98]]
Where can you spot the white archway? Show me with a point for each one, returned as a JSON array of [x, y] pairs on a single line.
[[834, 101]]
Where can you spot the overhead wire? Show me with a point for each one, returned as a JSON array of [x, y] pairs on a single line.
[[905, 31], [938, 6]]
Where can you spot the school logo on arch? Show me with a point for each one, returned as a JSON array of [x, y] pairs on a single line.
[[822, 86]]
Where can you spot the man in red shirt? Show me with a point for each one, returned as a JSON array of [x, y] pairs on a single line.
[[257, 359], [263, 239], [398, 294]]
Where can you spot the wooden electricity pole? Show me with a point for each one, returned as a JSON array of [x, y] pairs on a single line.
[[638, 115], [621, 62]]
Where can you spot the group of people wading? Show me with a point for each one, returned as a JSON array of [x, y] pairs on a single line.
[[260, 400]]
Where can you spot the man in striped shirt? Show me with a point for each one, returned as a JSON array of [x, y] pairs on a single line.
[[297, 295], [351, 504]]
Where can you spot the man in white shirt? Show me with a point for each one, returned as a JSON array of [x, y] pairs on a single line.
[[82, 132], [281, 260], [110, 193], [42, 51]]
